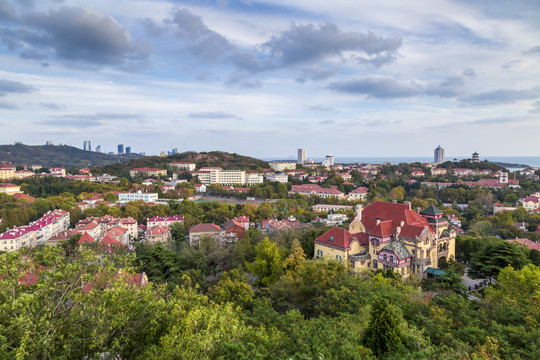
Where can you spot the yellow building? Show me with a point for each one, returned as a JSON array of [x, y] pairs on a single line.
[[10, 189], [390, 236], [7, 173]]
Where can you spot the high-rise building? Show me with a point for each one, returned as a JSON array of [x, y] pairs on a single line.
[[87, 146], [49, 142], [301, 156], [98, 148], [330, 159], [438, 157], [128, 149], [120, 148]]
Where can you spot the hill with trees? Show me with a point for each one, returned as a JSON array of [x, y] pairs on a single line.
[[202, 159], [58, 155]]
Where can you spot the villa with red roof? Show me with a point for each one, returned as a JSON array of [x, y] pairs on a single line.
[[531, 203], [159, 233], [390, 236]]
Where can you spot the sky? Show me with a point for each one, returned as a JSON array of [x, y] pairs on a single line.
[[354, 78]]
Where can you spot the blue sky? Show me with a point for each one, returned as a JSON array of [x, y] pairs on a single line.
[[353, 78]]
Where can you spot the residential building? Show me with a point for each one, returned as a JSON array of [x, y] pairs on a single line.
[[164, 221], [329, 160], [188, 166], [531, 203], [7, 173], [417, 173], [234, 230], [280, 166], [120, 148], [147, 172], [301, 157], [23, 174], [254, 179], [200, 188], [438, 157], [10, 189], [273, 225], [330, 208], [282, 178], [159, 233], [390, 236], [360, 193], [218, 176], [87, 146], [438, 171], [211, 230], [139, 195], [316, 190], [58, 171], [128, 149]]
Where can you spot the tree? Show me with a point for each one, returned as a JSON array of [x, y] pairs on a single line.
[[267, 264], [384, 332], [488, 262]]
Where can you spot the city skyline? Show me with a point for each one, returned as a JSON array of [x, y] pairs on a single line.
[[263, 78]]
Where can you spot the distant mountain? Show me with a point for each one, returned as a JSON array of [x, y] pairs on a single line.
[[203, 159], [61, 155]]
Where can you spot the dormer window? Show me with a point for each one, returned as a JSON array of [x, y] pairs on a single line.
[[331, 239]]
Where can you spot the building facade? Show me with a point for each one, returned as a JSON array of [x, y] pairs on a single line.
[[146, 197], [280, 166], [390, 236], [301, 156]]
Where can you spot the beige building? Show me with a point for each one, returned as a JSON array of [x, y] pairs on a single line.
[[10, 189], [211, 230], [147, 172], [187, 166], [390, 236], [159, 233], [218, 176], [280, 166], [7, 173]]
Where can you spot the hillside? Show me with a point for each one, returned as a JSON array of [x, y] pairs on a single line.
[[62, 155], [203, 159]]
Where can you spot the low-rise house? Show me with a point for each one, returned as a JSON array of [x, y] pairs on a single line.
[[164, 221], [200, 188], [325, 208], [359, 193], [272, 225], [159, 233], [139, 195], [316, 190], [211, 230], [147, 172], [531, 203], [10, 189], [234, 230]]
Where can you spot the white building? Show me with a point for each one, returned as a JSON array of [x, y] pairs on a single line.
[[182, 166], [254, 179], [282, 178], [301, 156], [215, 175], [139, 195], [279, 166]]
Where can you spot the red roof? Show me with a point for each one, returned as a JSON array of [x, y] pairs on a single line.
[[342, 238], [383, 229], [86, 238], [360, 190], [8, 185], [23, 196], [158, 230], [396, 213], [204, 228], [109, 241]]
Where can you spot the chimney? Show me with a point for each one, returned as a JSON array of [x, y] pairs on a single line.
[[394, 201], [378, 221], [418, 210]]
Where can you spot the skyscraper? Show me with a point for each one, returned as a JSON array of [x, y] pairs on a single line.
[[87, 145], [128, 149], [330, 159], [438, 158], [98, 148], [301, 156], [120, 148]]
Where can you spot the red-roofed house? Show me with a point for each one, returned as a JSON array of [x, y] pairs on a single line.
[[159, 233], [234, 230], [164, 220], [531, 203], [86, 238], [211, 230], [10, 189], [359, 193], [316, 190], [24, 197]]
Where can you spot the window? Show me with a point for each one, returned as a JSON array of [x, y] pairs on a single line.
[[375, 264], [384, 257]]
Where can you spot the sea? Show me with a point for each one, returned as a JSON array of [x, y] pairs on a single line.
[[530, 161]]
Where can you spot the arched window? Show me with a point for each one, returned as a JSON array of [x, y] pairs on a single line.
[[319, 253]]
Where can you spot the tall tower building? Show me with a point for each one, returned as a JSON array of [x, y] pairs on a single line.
[[301, 156], [438, 158], [330, 159], [475, 157], [128, 149], [98, 148], [120, 148], [87, 145]]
